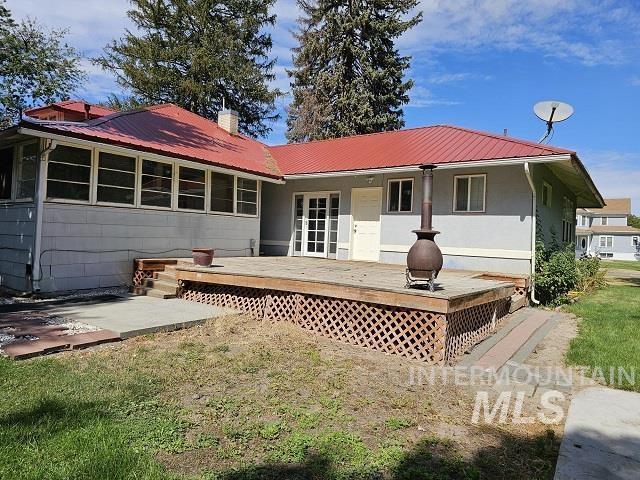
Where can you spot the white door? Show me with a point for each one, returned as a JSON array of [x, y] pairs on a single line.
[[366, 204], [316, 225]]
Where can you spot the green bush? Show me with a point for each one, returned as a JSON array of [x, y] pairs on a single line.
[[558, 273]]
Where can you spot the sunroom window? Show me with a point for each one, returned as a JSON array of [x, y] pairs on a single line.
[[191, 189], [6, 173], [69, 173], [469, 193], [222, 192], [26, 172], [247, 203], [155, 187], [116, 178]]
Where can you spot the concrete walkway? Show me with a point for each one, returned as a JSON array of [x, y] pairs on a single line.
[[601, 436], [138, 315]]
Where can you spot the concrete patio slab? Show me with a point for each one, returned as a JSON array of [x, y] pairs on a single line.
[[601, 436], [130, 316]]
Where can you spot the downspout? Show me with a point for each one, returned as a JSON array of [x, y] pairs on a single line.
[[527, 172], [44, 157]]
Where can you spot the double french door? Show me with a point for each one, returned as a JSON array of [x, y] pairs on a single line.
[[316, 224]]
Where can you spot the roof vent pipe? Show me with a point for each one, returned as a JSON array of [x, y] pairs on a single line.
[[228, 120]]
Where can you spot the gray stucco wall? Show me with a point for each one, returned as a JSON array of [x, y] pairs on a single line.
[[17, 234], [504, 227], [105, 241]]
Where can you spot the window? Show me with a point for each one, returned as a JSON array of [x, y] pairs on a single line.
[[469, 193], [26, 172], [247, 202], [222, 192], [297, 223], [6, 173], [585, 221], [191, 189], [583, 243], [568, 217], [606, 241], [334, 209], [547, 193], [604, 221], [116, 178], [400, 196], [155, 187], [635, 241], [69, 173], [606, 255]]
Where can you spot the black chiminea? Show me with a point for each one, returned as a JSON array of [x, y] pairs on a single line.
[[424, 260]]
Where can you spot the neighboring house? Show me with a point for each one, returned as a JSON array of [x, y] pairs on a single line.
[[604, 231], [81, 199]]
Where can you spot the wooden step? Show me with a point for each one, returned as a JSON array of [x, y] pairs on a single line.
[[166, 276], [162, 285], [517, 302], [152, 292]]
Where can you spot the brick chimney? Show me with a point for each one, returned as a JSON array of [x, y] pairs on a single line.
[[228, 119]]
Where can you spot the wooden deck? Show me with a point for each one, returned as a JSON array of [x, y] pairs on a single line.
[[359, 281], [365, 304]]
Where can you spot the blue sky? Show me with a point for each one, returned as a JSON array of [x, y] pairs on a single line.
[[476, 63]]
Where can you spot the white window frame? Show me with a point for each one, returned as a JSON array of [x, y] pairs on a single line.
[[399, 180], [635, 240], [292, 240], [17, 148], [605, 237], [92, 182], [139, 204], [177, 189], [136, 173], [604, 221], [547, 185], [484, 196], [235, 186], [235, 198]]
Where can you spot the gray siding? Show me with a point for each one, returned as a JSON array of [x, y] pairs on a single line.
[[505, 226], [549, 222], [105, 240], [17, 233]]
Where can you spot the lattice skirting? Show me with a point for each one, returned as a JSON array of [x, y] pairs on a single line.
[[418, 334], [521, 290], [140, 275]]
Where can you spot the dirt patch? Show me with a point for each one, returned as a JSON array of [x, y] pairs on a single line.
[[551, 351], [255, 393]]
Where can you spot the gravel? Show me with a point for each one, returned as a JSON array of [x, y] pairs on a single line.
[[8, 300]]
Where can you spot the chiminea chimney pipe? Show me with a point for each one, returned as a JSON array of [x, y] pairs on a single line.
[[426, 221]]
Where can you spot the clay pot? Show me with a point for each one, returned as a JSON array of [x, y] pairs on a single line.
[[202, 257]]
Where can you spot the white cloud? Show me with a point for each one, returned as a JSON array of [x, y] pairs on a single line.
[[635, 81], [616, 174], [421, 97], [589, 31]]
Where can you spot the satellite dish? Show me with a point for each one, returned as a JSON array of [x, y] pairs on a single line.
[[551, 111]]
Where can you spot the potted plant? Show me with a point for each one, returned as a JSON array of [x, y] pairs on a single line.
[[202, 256]]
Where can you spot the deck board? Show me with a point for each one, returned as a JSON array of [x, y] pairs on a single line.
[[362, 281]]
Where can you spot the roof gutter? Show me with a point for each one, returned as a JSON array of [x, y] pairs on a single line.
[[441, 166], [534, 204], [148, 154]]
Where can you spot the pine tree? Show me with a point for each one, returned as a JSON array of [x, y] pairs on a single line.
[[195, 53], [347, 75], [36, 66]]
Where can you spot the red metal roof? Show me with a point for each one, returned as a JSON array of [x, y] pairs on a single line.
[[173, 131], [75, 106], [416, 146]]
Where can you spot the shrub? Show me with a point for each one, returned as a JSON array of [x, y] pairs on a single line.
[[558, 273]]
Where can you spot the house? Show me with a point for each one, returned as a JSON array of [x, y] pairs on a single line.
[[82, 198], [605, 232]]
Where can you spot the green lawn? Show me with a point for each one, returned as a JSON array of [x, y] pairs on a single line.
[[247, 400], [609, 332], [621, 264]]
